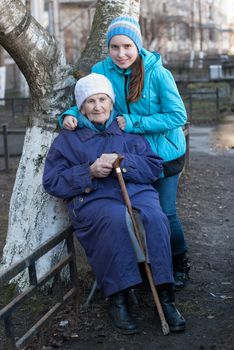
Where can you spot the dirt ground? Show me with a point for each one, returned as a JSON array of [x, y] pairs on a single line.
[[206, 207]]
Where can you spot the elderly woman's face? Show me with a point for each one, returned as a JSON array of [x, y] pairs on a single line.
[[97, 108]]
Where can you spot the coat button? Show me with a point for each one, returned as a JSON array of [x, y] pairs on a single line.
[[124, 170], [87, 190], [136, 125], [81, 199]]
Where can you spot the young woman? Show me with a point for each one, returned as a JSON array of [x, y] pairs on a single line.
[[148, 103], [79, 169]]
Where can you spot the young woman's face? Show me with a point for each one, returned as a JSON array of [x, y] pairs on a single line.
[[97, 108], [123, 51]]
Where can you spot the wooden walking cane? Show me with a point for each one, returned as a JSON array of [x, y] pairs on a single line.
[[116, 165]]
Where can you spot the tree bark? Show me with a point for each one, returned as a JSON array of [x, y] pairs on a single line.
[[1, 56], [34, 216], [39, 59]]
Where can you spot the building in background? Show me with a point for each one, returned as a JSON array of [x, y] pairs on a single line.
[[75, 24], [181, 30], [186, 30], [190, 33]]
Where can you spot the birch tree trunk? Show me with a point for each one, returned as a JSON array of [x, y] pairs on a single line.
[[34, 216]]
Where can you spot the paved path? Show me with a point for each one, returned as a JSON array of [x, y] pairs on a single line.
[[213, 139]]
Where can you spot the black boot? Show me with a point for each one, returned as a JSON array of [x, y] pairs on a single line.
[[175, 320], [181, 269], [119, 314]]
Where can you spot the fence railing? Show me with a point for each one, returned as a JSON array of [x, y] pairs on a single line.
[[191, 97], [198, 63], [22, 105], [29, 263], [5, 132], [16, 105]]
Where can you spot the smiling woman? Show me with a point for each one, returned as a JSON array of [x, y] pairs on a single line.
[[79, 168], [148, 103], [97, 108], [123, 51], [94, 105]]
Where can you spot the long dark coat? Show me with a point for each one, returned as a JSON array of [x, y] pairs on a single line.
[[96, 206]]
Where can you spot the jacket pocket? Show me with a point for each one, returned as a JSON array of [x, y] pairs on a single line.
[[171, 142]]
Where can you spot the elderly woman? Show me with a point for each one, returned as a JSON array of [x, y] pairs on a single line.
[[79, 168]]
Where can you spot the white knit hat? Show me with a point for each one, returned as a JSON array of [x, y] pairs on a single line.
[[92, 84]]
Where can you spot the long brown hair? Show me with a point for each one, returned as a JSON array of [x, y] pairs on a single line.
[[136, 80]]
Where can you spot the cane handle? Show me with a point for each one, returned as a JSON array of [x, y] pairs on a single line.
[[118, 160]]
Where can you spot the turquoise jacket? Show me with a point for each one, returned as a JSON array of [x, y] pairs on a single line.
[[159, 114]]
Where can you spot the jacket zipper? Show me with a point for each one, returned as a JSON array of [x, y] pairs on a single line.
[[169, 140], [126, 91]]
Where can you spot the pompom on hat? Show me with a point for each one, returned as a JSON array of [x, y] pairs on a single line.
[[125, 25], [92, 84]]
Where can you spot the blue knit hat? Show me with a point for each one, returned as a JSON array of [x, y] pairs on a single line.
[[125, 25]]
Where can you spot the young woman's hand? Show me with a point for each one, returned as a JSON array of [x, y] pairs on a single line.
[[121, 122], [70, 122]]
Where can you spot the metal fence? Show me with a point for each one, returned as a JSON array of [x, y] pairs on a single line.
[[19, 107], [202, 102], [5, 132], [15, 106], [29, 263], [202, 105]]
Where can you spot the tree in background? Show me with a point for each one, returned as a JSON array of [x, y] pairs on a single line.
[[34, 216], [1, 56]]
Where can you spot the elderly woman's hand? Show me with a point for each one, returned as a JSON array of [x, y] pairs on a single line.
[[121, 122], [103, 166], [70, 122]]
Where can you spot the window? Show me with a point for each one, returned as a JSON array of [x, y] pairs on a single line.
[[184, 31], [212, 35], [210, 12]]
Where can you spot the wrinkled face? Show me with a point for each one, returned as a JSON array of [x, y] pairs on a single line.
[[123, 51], [97, 108]]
